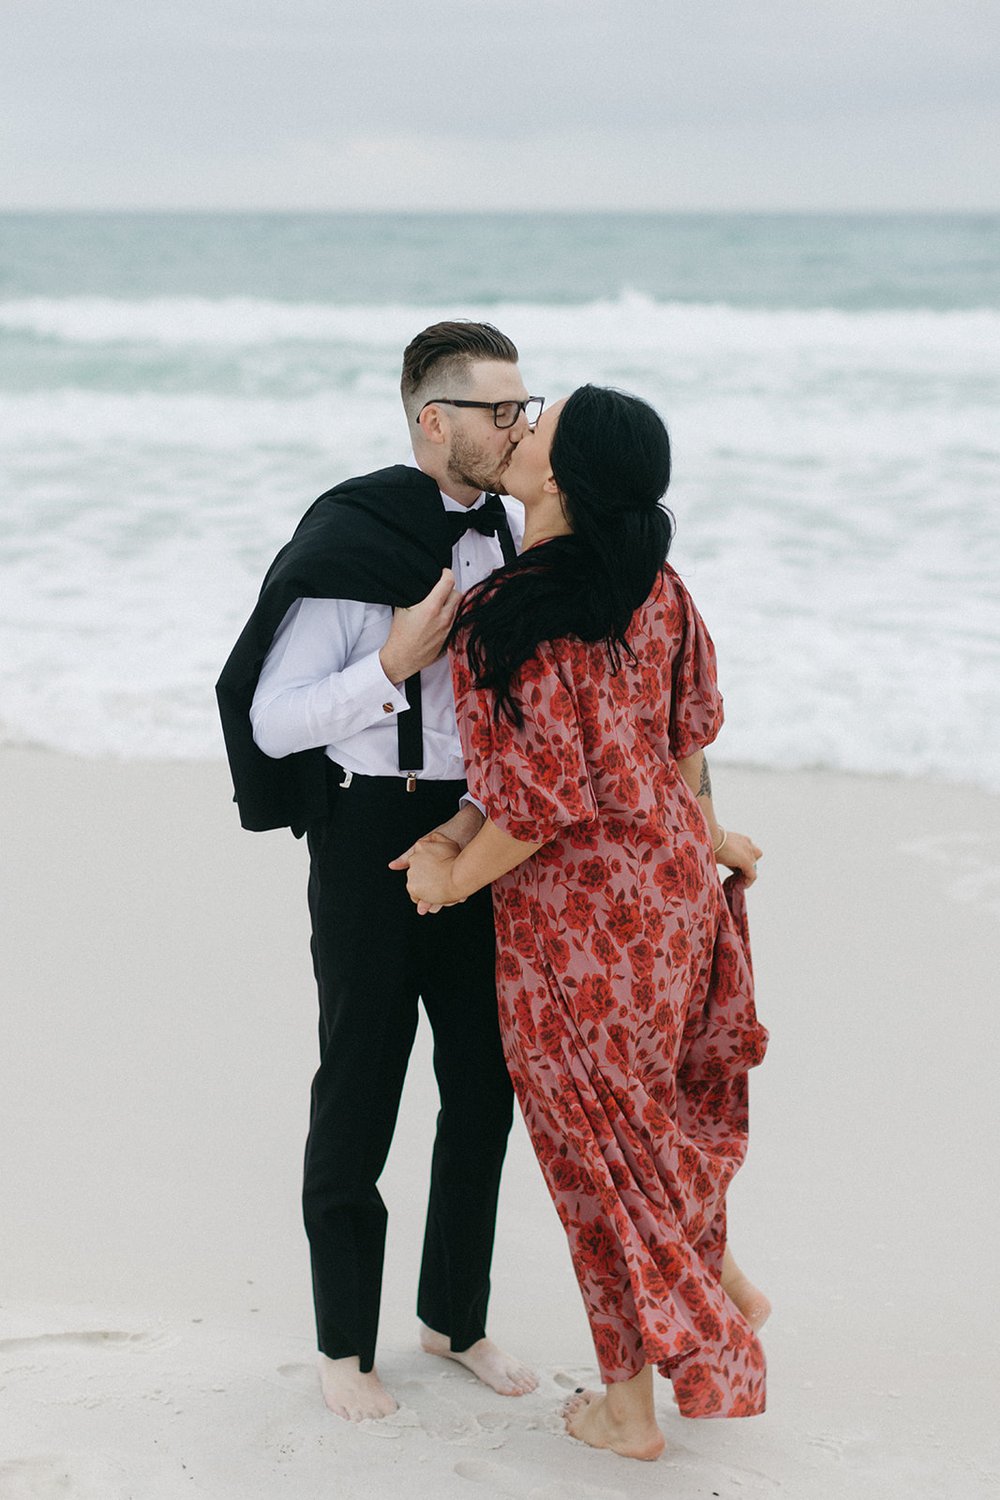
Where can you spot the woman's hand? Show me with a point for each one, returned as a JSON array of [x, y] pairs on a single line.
[[429, 865], [740, 853], [440, 872]]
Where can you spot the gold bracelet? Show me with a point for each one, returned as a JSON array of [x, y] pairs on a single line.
[[721, 841]]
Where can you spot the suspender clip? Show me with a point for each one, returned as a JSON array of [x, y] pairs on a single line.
[[411, 781]]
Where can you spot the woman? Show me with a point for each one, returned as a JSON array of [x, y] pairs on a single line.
[[585, 683]]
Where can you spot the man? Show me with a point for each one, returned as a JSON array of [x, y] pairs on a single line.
[[340, 722]]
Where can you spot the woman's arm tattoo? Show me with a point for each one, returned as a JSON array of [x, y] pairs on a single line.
[[705, 784]]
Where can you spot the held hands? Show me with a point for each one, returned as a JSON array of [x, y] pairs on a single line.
[[738, 852], [429, 865], [460, 829], [418, 633]]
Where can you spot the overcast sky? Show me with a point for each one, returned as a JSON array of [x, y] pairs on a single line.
[[660, 104]]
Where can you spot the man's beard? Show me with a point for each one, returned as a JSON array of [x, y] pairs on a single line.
[[469, 465]]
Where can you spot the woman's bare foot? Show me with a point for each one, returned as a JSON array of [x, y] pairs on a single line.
[[501, 1372], [352, 1395], [750, 1300], [588, 1418]]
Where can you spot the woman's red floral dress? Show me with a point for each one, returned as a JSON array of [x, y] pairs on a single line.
[[626, 996]]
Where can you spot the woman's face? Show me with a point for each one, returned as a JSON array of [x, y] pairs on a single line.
[[529, 466]]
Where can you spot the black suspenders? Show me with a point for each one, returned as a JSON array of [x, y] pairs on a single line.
[[410, 733]]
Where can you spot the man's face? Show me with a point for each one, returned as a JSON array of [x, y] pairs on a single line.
[[478, 451]]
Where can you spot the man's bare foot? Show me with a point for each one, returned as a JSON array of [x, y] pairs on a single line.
[[750, 1300], [350, 1394], [587, 1418], [501, 1372]]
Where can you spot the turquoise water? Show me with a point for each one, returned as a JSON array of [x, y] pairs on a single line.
[[852, 262], [175, 388]]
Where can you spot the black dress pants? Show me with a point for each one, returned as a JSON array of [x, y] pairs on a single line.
[[375, 958]]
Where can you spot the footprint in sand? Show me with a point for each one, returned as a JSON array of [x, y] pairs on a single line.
[[59, 1477], [34, 1479], [968, 864], [379, 1427], [451, 1426], [561, 1490], [502, 1480], [493, 1421], [107, 1338], [499, 1479]]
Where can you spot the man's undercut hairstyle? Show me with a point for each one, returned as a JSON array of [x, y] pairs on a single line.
[[437, 361]]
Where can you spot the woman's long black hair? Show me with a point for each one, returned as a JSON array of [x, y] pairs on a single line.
[[611, 460]]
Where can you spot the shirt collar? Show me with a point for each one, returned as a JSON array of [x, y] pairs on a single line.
[[446, 500]]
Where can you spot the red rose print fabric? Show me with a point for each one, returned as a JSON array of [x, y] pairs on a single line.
[[626, 994]]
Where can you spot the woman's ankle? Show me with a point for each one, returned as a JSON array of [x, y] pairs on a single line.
[[629, 1403]]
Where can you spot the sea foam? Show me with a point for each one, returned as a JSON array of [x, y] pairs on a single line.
[[835, 488], [630, 321]]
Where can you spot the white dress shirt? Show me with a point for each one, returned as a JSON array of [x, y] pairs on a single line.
[[322, 683]]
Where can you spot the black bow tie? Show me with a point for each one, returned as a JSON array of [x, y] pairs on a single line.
[[488, 518]]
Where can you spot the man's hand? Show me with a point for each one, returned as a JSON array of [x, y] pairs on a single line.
[[435, 854], [429, 868], [459, 830], [418, 633]]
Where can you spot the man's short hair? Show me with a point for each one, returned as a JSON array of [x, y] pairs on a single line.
[[443, 354]]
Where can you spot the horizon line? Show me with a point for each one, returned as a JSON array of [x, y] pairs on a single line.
[[501, 212]]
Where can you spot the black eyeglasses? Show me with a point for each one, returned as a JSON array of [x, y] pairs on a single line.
[[505, 413]]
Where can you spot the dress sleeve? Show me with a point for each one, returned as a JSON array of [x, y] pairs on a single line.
[[695, 701], [533, 781]]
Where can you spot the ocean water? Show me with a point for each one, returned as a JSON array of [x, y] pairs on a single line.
[[175, 390]]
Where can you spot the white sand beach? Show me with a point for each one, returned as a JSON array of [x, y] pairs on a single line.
[[158, 1043]]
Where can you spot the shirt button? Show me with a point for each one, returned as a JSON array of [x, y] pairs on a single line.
[[387, 708]]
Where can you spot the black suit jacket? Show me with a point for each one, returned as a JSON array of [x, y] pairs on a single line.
[[382, 539]]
